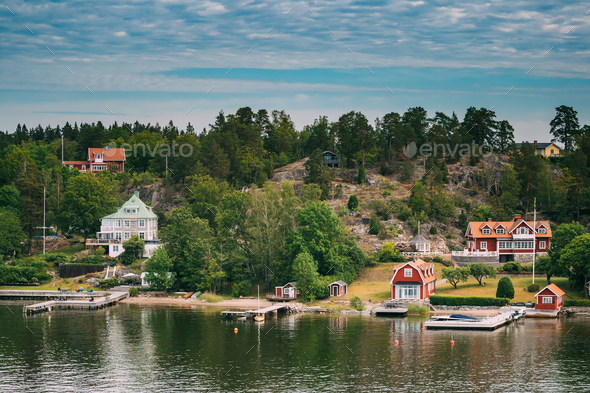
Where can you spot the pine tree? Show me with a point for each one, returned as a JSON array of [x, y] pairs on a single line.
[[361, 175]]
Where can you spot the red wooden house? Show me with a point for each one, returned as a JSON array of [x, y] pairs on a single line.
[[549, 298], [413, 280], [287, 291], [100, 159], [338, 288], [508, 238]]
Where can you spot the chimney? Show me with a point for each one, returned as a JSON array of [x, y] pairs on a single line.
[[516, 217], [489, 220], [535, 143]]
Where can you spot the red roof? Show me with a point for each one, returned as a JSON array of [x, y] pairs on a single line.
[[421, 266], [109, 154], [553, 288]]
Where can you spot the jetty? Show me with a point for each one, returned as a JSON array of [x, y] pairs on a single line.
[[391, 308], [460, 322], [96, 303], [47, 295], [251, 313]]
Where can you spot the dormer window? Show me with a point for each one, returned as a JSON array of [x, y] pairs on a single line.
[[522, 231], [542, 231], [486, 231], [500, 231]]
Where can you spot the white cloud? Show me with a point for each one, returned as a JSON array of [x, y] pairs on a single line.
[[211, 8], [121, 34]]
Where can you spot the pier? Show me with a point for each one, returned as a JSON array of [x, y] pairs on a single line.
[[100, 302], [250, 313], [46, 295]]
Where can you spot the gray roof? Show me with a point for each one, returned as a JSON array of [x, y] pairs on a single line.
[[339, 282], [143, 211], [419, 239]]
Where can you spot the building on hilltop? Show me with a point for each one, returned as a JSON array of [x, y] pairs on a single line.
[[544, 149], [413, 280], [133, 218], [331, 159], [503, 241], [100, 159]]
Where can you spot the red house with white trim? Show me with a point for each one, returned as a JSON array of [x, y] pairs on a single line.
[[338, 288], [100, 159], [549, 298], [508, 238], [413, 280], [287, 291]]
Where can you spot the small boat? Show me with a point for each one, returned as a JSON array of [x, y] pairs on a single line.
[[259, 317], [455, 317]]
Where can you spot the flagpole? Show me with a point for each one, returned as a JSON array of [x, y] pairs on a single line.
[[534, 235]]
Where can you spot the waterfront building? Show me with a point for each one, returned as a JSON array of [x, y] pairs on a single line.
[[338, 288], [413, 280], [287, 291], [549, 298], [503, 241], [133, 218], [100, 159]]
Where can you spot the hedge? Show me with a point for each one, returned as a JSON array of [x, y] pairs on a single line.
[[437, 300], [576, 302]]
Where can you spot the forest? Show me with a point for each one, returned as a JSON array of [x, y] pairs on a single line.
[[225, 239]]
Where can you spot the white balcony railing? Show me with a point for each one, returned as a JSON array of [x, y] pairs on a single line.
[[525, 236], [411, 254], [106, 229], [466, 253]]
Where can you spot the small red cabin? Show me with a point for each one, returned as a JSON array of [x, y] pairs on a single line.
[[413, 280], [550, 298], [287, 291], [338, 288]]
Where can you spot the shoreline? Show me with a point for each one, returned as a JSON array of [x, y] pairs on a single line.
[[250, 304]]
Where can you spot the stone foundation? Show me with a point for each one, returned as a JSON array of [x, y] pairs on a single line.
[[523, 258], [466, 260]]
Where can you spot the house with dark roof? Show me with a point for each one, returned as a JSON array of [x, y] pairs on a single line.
[[331, 159], [546, 149]]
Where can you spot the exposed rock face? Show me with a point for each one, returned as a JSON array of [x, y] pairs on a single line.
[[294, 171], [155, 195]]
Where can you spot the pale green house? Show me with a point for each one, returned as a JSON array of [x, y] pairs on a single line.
[[133, 218]]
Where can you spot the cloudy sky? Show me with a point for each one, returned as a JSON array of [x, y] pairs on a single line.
[[153, 61]]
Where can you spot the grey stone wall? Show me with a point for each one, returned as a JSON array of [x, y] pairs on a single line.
[[466, 260]]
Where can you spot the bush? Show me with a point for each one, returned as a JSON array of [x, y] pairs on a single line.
[[533, 288], [405, 213], [417, 309], [375, 225], [361, 175], [341, 211], [109, 283], [512, 267], [353, 202], [576, 303], [133, 291], [505, 288], [433, 230], [34, 279], [437, 300], [356, 303]]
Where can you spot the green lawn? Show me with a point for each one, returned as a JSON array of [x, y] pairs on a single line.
[[472, 288]]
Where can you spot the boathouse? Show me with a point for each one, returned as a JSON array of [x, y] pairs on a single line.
[[549, 298], [413, 280], [338, 288], [287, 291]]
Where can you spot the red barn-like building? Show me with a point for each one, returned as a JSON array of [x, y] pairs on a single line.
[[100, 159], [413, 280], [287, 291], [509, 238], [338, 288], [549, 298]]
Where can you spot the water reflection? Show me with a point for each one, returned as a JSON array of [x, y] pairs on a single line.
[[130, 348]]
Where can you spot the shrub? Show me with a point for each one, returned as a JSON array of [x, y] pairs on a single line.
[[433, 230], [405, 213], [512, 267], [356, 303], [505, 288], [353, 202], [533, 288], [109, 283], [341, 211], [34, 279], [437, 300], [576, 302], [361, 175], [133, 291], [375, 225], [241, 288], [389, 253], [417, 309], [386, 194]]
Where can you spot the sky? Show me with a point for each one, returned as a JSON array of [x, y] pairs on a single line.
[[155, 61]]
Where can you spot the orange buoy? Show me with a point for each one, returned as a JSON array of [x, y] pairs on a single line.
[[452, 343], [396, 343], [236, 330]]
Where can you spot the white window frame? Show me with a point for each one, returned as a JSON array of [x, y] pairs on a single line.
[[547, 300], [126, 236], [486, 231], [141, 223], [142, 235], [483, 245], [115, 248], [500, 231], [127, 224], [542, 231], [118, 236], [542, 244], [408, 272], [117, 223], [407, 292]]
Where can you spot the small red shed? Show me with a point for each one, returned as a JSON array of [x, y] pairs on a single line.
[[549, 298], [287, 291], [413, 280], [338, 288]]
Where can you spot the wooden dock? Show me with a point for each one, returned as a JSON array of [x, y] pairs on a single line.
[[101, 302], [389, 311], [251, 313], [47, 295], [507, 316]]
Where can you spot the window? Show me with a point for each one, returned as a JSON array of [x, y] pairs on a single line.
[[127, 224], [486, 231], [118, 223], [142, 223], [500, 231], [407, 292], [128, 211], [133, 211], [542, 244], [552, 151], [115, 248], [542, 231], [286, 291], [83, 167], [141, 235], [118, 236], [483, 245], [408, 272], [547, 300], [522, 231], [71, 167], [126, 235]]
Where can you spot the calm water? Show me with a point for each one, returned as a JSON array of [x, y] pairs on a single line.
[[132, 348]]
